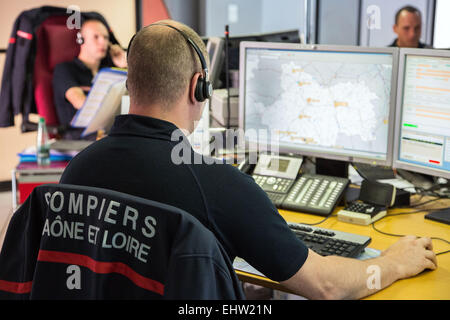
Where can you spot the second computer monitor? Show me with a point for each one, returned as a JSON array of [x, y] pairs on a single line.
[[331, 102], [422, 137], [216, 54]]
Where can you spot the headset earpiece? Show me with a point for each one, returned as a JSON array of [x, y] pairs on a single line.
[[199, 89], [203, 90], [80, 39]]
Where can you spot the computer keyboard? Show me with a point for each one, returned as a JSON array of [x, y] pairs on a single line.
[[328, 242]]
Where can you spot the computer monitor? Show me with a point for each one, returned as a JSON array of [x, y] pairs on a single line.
[[286, 36], [331, 102], [216, 55], [422, 135]]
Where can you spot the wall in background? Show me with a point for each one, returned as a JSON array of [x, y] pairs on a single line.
[[249, 16], [442, 25], [185, 11]]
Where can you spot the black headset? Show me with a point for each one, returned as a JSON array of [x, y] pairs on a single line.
[[203, 89]]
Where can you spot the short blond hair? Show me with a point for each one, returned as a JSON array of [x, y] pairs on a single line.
[[161, 63]]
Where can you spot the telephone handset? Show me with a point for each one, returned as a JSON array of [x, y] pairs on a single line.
[[276, 175], [309, 193]]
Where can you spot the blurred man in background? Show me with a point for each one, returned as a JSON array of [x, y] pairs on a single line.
[[408, 27]]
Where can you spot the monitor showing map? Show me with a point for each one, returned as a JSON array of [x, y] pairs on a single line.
[[332, 102], [422, 135], [216, 54]]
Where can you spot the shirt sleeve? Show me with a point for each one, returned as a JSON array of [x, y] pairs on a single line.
[[256, 231], [63, 79]]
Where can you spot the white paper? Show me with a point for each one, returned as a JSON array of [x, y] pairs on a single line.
[[95, 100]]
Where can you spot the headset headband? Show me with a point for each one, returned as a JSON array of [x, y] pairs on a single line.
[[185, 36]]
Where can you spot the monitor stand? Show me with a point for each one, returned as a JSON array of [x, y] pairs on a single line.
[[335, 168]]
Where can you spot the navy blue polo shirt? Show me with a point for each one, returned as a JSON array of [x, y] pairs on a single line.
[[140, 158], [65, 76]]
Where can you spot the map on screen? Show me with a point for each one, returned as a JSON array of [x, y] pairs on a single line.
[[321, 101]]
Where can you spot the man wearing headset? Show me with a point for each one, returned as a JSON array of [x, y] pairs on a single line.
[[72, 80], [168, 83]]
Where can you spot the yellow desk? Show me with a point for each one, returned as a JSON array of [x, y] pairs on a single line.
[[427, 285]]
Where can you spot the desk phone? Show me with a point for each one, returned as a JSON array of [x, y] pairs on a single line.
[[317, 194], [276, 175], [310, 193]]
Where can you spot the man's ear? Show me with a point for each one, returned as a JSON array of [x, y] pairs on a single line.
[[192, 87]]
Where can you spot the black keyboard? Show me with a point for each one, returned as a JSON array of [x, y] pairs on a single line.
[[327, 242]]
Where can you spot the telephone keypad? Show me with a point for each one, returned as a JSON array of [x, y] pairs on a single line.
[[315, 194], [273, 184]]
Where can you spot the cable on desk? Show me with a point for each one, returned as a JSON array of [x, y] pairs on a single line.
[[321, 221], [418, 190], [422, 203], [403, 235]]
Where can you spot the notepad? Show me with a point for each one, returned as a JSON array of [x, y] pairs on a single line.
[[103, 101]]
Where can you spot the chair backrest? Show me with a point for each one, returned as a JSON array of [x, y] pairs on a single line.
[[55, 44], [74, 242]]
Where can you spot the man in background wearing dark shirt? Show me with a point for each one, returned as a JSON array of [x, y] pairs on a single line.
[[72, 80], [408, 27]]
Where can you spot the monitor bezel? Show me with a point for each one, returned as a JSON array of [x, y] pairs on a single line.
[[332, 48], [216, 61], [259, 37], [397, 163]]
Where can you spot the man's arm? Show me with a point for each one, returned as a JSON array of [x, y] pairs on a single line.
[[76, 97], [335, 277], [118, 56]]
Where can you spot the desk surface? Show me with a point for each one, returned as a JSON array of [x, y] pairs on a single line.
[[427, 285]]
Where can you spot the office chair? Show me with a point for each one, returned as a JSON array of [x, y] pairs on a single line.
[[76, 242], [55, 44], [40, 39]]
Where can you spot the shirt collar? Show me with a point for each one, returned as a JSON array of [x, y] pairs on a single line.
[[136, 125], [394, 44]]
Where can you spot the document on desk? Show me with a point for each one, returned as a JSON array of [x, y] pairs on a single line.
[[400, 183], [102, 101], [242, 265]]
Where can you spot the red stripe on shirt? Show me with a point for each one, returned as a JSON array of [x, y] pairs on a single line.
[[102, 268], [16, 287]]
